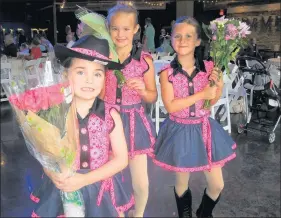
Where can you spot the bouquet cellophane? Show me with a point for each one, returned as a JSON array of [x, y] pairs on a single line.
[[41, 99]]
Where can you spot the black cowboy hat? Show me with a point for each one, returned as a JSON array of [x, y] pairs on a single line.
[[88, 48]]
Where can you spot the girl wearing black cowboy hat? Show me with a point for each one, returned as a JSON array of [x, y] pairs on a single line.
[[106, 192]]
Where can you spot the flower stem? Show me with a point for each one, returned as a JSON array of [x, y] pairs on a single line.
[[207, 104]]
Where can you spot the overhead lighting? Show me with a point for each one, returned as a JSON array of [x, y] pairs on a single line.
[[63, 4]]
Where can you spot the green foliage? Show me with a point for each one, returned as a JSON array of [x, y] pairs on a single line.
[[68, 156], [120, 77]]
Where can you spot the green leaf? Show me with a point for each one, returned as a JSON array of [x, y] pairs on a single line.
[[13, 83], [69, 158], [226, 61], [207, 30], [219, 54], [120, 77], [234, 54]]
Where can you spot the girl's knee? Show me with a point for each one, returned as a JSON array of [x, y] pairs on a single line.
[[220, 187], [141, 186], [217, 187]]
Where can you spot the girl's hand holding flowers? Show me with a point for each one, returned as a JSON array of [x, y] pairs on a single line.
[[217, 77], [74, 183], [209, 92]]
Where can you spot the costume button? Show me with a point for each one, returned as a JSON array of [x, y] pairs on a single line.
[[83, 131], [118, 100], [190, 84], [85, 148], [85, 164], [192, 114]]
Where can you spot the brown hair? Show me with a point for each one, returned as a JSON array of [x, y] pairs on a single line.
[[36, 41], [191, 21], [122, 8]]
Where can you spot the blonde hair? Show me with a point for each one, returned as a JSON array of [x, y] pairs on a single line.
[[122, 8]]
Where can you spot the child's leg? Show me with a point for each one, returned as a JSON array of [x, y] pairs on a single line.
[[182, 180], [121, 215], [212, 193], [215, 182], [138, 168], [183, 195]]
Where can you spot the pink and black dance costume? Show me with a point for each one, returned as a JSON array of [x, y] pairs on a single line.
[[138, 127], [189, 140], [105, 198]]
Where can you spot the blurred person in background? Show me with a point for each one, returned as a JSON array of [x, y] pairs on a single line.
[[1, 38], [10, 48], [70, 40], [22, 37], [45, 42], [148, 38], [24, 50], [35, 50]]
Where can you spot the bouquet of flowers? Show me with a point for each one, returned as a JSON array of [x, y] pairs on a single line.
[[227, 37], [47, 119], [99, 27]]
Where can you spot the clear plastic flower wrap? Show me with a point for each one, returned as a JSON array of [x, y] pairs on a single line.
[[98, 26], [47, 118]]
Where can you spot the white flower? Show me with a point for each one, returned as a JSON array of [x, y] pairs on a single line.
[[243, 29], [220, 21]]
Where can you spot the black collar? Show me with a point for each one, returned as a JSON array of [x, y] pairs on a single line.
[[97, 109], [177, 68], [135, 54]]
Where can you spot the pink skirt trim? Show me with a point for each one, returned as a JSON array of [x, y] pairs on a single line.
[[195, 169], [34, 198], [148, 151], [126, 207], [108, 185]]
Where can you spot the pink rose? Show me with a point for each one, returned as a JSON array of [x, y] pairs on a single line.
[[55, 94], [227, 37], [14, 100], [214, 38], [41, 97], [30, 102]]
